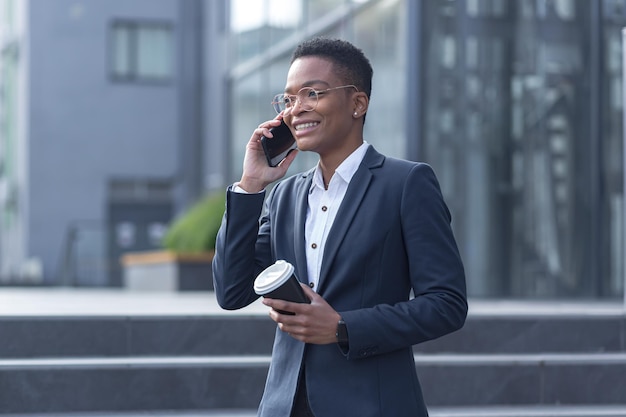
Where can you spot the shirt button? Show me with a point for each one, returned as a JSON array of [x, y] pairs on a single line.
[[324, 208], [311, 284], [314, 245]]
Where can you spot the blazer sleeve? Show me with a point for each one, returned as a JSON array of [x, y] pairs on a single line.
[[436, 272], [242, 251]]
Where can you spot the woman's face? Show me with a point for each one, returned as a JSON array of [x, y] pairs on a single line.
[[331, 126]]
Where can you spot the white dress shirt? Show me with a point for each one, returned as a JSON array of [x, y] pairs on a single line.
[[322, 209]]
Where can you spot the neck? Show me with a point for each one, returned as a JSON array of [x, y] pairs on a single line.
[[330, 162]]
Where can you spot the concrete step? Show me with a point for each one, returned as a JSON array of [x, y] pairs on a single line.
[[219, 334], [175, 413], [533, 333], [236, 382], [523, 379], [94, 336], [130, 384], [533, 411], [118, 353], [64, 323]]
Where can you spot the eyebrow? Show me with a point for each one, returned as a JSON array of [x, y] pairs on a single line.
[[310, 84]]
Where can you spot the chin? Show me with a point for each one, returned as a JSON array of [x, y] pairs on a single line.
[[304, 145]]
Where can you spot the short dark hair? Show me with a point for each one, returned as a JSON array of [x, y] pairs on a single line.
[[352, 64]]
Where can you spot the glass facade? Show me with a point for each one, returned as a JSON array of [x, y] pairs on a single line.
[[11, 135], [9, 55], [522, 122], [520, 110]]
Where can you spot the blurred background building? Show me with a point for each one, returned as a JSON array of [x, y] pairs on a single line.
[[115, 116]]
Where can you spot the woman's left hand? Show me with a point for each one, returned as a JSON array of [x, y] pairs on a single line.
[[312, 323]]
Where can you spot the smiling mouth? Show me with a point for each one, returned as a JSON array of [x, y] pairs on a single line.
[[305, 126]]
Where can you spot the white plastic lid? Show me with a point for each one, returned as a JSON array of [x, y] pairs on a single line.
[[273, 277]]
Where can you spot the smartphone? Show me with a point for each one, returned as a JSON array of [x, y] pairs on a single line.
[[278, 147]]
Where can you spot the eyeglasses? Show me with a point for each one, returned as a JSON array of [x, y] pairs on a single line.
[[307, 97]]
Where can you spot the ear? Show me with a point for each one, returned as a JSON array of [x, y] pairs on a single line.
[[360, 103]]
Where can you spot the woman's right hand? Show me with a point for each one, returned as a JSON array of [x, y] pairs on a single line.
[[257, 174]]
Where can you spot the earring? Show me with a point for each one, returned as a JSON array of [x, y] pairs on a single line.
[[356, 114]]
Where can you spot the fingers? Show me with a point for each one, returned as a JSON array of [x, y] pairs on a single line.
[[312, 323], [257, 174], [271, 123], [263, 130], [298, 308], [281, 305], [293, 325], [259, 132]]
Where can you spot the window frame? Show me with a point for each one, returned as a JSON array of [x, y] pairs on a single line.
[[134, 75]]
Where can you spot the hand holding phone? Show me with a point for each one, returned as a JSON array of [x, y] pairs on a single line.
[[278, 147]]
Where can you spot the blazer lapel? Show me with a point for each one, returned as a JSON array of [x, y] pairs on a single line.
[[349, 207], [302, 204]]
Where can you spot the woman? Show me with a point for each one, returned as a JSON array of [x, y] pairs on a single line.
[[369, 237]]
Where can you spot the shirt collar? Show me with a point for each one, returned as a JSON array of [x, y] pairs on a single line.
[[345, 170]]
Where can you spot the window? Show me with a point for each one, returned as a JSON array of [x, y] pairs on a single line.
[[141, 51]]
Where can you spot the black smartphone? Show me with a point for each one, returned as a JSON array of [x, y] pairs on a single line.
[[278, 147]]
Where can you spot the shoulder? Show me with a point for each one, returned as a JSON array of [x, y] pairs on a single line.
[[405, 165], [291, 185], [399, 168]]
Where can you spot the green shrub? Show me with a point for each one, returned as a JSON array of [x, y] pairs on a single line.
[[196, 229]]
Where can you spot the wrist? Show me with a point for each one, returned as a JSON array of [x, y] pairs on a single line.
[[251, 186]]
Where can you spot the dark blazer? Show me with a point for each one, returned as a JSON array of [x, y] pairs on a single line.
[[391, 239]]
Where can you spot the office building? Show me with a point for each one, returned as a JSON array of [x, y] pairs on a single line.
[[117, 115]]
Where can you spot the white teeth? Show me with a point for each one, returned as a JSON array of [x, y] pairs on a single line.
[[305, 126]]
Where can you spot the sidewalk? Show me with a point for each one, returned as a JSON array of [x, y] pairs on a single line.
[[112, 302], [116, 302]]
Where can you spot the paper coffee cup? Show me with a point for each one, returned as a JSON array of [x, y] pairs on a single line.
[[279, 281]]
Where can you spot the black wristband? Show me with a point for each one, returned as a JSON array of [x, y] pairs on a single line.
[[342, 334]]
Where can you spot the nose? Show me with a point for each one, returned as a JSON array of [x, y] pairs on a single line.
[[297, 107], [302, 106]]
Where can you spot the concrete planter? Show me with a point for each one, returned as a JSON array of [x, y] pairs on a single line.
[[167, 271]]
